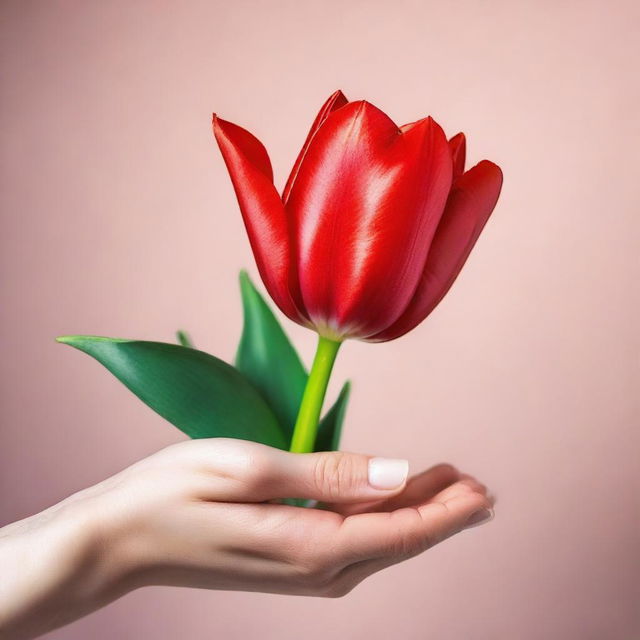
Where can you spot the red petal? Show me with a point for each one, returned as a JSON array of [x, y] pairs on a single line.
[[263, 212], [335, 101], [458, 146], [365, 205], [472, 199]]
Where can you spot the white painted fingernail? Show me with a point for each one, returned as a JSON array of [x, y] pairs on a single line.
[[387, 473]]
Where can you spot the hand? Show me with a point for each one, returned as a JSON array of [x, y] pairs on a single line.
[[206, 513]]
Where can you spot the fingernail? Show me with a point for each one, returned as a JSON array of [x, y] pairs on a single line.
[[387, 473], [478, 518]]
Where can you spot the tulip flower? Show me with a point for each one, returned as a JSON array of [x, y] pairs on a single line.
[[372, 228]]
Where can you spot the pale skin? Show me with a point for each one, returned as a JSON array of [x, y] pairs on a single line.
[[206, 513]]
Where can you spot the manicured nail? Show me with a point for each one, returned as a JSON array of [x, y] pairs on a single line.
[[387, 473], [478, 518]]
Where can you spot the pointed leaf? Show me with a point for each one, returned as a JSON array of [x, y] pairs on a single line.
[[184, 338], [330, 428], [267, 358], [198, 393]]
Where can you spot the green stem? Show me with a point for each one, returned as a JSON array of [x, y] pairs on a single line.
[[304, 433]]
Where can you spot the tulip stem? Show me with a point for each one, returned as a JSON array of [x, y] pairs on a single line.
[[306, 428]]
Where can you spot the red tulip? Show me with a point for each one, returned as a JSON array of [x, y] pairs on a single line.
[[374, 224], [372, 228]]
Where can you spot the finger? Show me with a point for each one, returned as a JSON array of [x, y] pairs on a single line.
[[419, 489], [245, 471], [455, 489], [474, 483], [408, 531], [423, 487], [354, 573]]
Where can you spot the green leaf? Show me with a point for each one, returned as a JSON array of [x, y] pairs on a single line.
[[267, 358], [198, 393], [270, 362], [184, 339], [330, 429]]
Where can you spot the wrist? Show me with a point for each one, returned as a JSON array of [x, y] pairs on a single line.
[[58, 566], [112, 564]]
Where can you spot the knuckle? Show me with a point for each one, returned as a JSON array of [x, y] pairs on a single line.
[[256, 472], [316, 575], [315, 568], [334, 474], [410, 538], [337, 589]]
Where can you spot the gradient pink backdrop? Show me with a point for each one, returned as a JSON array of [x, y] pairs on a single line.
[[119, 219]]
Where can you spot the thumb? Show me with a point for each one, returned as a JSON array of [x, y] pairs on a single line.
[[243, 471], [337, 476]]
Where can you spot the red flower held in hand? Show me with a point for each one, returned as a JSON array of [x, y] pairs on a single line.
[[374, 224]]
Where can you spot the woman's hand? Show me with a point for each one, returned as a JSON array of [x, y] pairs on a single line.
[[206, 513]]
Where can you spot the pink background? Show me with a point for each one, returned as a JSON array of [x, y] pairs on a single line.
[[119, 219]]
